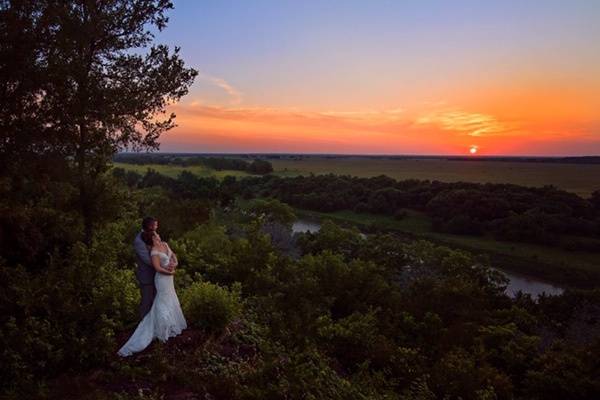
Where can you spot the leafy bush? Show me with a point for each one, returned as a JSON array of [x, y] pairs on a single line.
[[355, 338], [211, 306], [270, 210], [206, 249], [64, 317]]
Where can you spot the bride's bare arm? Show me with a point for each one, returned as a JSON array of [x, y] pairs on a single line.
[[173, 262], [158, 267]]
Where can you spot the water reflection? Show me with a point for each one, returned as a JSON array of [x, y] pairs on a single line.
[[529, 285], [302, 225]]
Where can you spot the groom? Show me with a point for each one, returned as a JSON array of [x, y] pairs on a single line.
[[145, 271]]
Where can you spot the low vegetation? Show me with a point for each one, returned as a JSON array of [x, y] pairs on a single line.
[[331, 315], [209, 306]]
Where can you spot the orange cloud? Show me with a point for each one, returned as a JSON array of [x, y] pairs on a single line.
[[473, 124]]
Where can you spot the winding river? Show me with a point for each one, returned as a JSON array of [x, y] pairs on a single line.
[[517, 282]]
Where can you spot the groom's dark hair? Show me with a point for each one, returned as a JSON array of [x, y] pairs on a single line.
[[147, 222], [147, 237]]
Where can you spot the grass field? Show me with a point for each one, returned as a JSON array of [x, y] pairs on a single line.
[[174, 170], [582, 179], [553, 264]]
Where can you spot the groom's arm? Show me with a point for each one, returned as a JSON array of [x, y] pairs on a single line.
[[142, 251]]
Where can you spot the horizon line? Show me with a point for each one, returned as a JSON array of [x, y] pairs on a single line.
[[362, 154]]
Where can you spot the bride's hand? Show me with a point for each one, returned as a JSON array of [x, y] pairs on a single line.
[[173, 261]]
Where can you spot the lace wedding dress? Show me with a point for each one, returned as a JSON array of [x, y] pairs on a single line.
[[164, 320]]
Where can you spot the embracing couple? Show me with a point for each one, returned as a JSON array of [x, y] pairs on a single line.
[[160, 310]]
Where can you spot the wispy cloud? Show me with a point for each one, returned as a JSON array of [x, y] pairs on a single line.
[[472, 123], [235, 95], [366, 121], [397, 121]]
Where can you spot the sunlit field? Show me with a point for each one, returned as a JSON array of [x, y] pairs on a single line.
[[581, 179], [173, 171]]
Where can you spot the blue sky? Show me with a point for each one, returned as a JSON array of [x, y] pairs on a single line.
[[347, 56]]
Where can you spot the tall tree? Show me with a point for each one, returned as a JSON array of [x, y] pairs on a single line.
[[94, 83]]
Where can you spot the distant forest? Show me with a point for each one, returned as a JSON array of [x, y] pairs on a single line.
[[508, 212], [174, 158]]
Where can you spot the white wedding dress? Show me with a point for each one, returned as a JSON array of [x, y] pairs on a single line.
[[164, 320]]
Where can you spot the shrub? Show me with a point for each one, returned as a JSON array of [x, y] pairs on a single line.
[[211, 307], [63, 317], [354, 339]]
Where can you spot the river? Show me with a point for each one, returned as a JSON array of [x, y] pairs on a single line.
[[525, 283]]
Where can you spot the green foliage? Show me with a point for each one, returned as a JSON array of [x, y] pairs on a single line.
[[206, 249], [356, 338], [260, 167], [64, 317], [211, 307], [565, 372], [306, 375], [334, 238], [418, 390], [509, 349], [509, 212], [93, 88], [457, 375], [271, 210], [374, 317], [176, 214]]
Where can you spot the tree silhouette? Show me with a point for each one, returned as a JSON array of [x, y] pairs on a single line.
[[82, 80]]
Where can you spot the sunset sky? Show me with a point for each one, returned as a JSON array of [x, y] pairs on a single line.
[[389, 77]]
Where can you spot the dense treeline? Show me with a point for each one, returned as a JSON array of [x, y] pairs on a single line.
[[544, 215], [256, 166]]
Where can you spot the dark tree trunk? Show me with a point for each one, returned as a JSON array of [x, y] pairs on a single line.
[[84, 192]]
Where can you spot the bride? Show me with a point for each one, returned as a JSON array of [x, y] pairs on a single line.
[[165, 319]]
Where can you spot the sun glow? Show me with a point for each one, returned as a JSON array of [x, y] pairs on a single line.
[[473, 149]]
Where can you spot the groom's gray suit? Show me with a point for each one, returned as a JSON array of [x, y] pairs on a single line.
[[145, 274]]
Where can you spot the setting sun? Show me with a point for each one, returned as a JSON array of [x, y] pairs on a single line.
[[473, 149]]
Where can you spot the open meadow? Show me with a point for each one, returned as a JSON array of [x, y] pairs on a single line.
[[172, 171], [581, 179]]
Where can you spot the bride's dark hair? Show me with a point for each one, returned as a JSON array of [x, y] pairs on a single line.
[[147, 237]]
